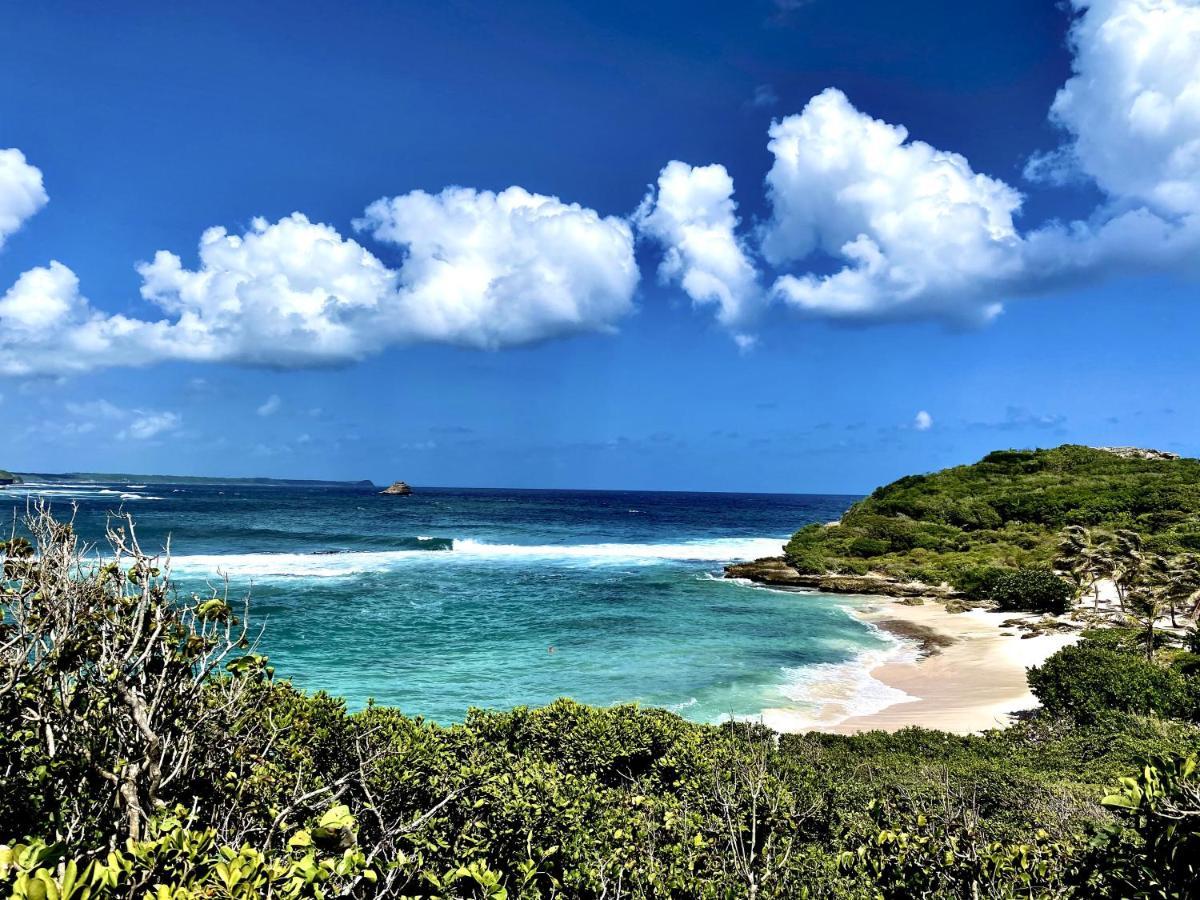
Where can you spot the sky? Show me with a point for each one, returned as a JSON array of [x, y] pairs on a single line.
[[775, 245]]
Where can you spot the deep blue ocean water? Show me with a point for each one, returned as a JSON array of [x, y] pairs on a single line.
[[452, 598]]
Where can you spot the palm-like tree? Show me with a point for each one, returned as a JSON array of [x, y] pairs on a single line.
[[1182, 587], [1148, 592], [1127, 562], [1084, 557]]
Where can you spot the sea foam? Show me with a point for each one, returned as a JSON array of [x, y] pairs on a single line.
[[844, 689], [325, 565]]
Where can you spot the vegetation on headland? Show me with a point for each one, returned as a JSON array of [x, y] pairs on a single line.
[[7, 477], [148, 750], [966, 525]]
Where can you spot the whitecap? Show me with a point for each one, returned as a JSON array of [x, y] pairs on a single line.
[[307, 565]]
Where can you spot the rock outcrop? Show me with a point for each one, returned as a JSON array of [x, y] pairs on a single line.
[[775, 572], [397, 488], [1139, 453]]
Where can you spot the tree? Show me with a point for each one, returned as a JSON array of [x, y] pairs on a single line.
[[1083, 558], [112, 673], [1126, 561], [1182, 586], [1147, 596]]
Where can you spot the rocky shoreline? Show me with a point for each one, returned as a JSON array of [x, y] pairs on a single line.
[[774, 571]]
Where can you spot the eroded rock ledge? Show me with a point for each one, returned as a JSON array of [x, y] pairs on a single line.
[[775, 571]]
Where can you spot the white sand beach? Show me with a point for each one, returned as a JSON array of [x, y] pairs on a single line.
[[968, 677]]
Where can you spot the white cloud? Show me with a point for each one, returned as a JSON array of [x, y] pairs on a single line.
[[764, 96], [693, 216], [292, 293], [270, 406], [922, 421], [147, 424], [481, 270], [913, 232], [921, 233], [21, 192], [494, 270], [48, 328], [1132, 106], [130, 424], [1131, 113]]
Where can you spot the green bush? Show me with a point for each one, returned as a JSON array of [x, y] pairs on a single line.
[[1033, 589], [1153, 849], [868, 546], [976, 582], [1084, 683], [1122, 640]]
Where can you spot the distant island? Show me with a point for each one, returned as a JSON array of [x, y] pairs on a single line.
[[132, 478]]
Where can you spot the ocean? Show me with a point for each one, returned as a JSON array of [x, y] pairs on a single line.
[[458, 598]]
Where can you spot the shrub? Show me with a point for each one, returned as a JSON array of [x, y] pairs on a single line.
[[946, 854], [1122, 640], [318, 861], [1083, 683], [868, 546], [1035, 589], [977, 582], [1153, 849]]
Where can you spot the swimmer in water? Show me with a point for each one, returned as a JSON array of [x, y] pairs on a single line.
[[550, 649]]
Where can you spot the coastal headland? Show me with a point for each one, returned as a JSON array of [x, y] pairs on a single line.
[[951, 565]]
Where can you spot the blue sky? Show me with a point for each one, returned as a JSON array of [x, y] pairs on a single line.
[[820, 316]]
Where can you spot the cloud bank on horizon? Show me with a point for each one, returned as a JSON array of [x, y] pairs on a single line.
[[917, 233]]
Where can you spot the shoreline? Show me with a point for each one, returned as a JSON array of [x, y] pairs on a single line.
[[958, 672]]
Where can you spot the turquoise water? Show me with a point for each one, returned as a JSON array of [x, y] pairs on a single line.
[[453, 598]]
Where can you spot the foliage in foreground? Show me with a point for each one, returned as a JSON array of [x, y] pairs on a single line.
[[147, 751]]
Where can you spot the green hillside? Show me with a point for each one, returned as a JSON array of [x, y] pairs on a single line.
[[1005, 510]]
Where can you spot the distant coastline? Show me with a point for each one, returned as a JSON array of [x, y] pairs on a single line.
[[127, 477]]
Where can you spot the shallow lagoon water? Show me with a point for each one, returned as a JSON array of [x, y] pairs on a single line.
[[453, 598]]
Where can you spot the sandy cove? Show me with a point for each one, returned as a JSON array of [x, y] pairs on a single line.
[[965, 672]]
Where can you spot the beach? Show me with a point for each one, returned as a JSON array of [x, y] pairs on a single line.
[[958, 672]]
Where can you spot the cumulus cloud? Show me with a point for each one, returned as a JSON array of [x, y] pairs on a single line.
[[1132, 106], [922, 235], [692, 215], [1131, 115], [21, 192], [922, 421], [48, 327], [480, 270], [493, 270], [920, 232], [290, 293], [865, 224]]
